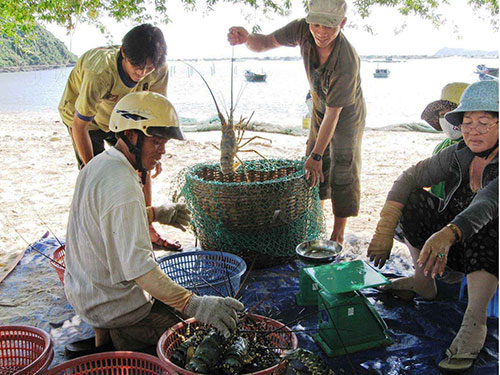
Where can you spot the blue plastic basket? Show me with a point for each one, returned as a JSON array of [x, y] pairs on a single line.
[[212, 273]]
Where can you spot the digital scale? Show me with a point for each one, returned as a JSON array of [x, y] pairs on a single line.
[[347, 321]]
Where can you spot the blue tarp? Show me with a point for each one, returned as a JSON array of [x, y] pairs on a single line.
[[421, 330]]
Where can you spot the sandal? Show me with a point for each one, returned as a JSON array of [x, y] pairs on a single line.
[[85, 347], [457, 363]]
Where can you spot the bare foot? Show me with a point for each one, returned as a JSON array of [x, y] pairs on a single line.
[[424, 288]]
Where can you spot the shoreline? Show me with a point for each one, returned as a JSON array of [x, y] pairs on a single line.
[[38, 172]]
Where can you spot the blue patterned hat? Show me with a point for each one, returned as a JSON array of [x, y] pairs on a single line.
[[480, 96]]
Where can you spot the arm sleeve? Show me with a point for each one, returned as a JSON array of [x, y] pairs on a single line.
[[92, 90], [128, 246], [291, 34], [341, 90], [481, 211], [160, 84], [425, 173]]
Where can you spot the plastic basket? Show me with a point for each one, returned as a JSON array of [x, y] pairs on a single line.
[[59, 265], [24, 350], [111, 363], [205, 272], [281, 336]]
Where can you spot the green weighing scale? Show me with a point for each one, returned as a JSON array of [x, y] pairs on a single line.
[[335, 289]]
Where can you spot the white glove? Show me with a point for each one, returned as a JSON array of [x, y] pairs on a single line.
[[175, 214], [219, 312]]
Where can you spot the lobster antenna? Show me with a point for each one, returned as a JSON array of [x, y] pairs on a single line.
[[232, 74], [30, 246], [44, 223], [209, 89]]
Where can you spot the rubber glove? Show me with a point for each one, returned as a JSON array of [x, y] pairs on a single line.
[[174, 214], [220, 312], [380, 246]]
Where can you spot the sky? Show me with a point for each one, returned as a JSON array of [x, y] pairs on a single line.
[[200, 34]]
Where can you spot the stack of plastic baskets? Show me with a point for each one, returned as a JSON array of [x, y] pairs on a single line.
[[24, 350], [58, 263], [205, 272], [112, 363]]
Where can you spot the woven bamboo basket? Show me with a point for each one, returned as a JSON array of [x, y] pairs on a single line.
[[269, 211]]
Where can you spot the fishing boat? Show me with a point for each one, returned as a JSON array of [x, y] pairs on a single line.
[[381, 73], [485, 73], [255, 77]]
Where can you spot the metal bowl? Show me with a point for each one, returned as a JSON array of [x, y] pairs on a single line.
[[318, 251]]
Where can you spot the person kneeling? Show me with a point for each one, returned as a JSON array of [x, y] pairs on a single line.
[[111, 278]]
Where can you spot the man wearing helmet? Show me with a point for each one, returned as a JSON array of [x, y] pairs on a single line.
[[111, 278], [100, 78]]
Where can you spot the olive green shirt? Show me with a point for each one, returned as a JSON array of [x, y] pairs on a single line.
[[337, 82], [98, 82]]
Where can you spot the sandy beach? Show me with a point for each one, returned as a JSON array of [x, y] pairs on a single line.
[[38, 172]]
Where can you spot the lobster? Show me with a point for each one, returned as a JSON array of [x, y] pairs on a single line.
[[232, 134], [207, 354], [310, 362]]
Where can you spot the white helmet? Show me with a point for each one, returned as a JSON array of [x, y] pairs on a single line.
[[148, 112]]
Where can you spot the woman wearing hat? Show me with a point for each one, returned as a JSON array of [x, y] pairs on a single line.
[[459, 231], [434, 113]]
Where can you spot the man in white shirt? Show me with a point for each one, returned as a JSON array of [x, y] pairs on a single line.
[[111, 279]]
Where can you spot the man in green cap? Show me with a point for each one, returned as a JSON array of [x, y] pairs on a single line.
[[100, 78], [338, 120]]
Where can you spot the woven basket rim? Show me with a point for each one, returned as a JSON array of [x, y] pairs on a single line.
[[190, 174]]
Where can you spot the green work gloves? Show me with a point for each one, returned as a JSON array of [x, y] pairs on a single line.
[[380, 246], [220, 312], [174, 214]]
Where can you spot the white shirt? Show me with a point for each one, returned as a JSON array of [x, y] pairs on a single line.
[[108, 244]]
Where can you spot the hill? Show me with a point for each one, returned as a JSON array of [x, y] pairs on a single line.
[[39, 51], [443, 52]]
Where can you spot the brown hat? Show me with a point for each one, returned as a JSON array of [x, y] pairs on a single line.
[[450, 97], [328, 13]]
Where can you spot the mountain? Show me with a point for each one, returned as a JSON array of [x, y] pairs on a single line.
[[42, 50], [443, 52]]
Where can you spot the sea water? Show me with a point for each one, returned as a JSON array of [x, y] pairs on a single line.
[[398, 99]]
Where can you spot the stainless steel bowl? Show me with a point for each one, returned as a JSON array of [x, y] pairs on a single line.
[[318, 251]]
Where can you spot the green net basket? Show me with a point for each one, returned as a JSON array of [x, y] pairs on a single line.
[[268, 210]]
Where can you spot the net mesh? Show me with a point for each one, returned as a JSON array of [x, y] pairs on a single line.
[[266, 211]]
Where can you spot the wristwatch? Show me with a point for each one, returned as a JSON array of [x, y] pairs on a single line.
[[316, 156]]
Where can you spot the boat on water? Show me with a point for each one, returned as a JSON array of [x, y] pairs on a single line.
[[255, 77], [485, 73], [381, 73]]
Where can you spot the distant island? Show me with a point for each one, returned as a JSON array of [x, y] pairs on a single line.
[[44, 51], [447, 52]]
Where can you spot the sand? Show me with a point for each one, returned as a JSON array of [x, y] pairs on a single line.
[[38, 172]]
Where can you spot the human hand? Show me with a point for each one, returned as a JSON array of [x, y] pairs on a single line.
[[158, 170], [314, 171], [220, 312], [434, 254], [237, 35], [174, 214], [380, 246]]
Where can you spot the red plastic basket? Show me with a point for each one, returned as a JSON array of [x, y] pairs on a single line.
[[112, 363], [24, 350], [59, 266], [280, 335]]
